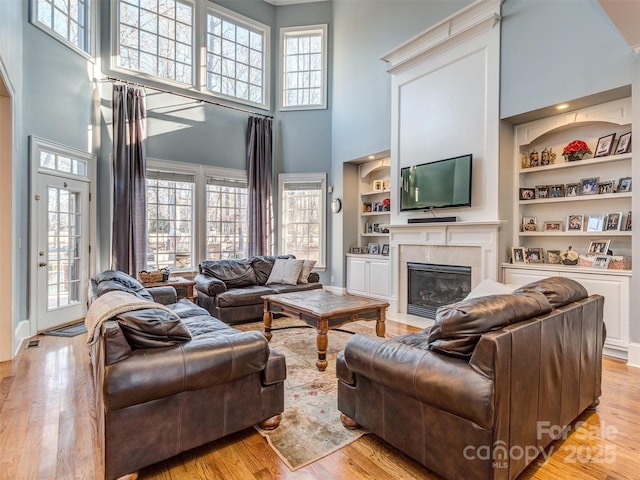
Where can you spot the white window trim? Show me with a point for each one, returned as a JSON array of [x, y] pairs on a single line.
[[325, 56], [199, 69], [321, 178], [200, 173], [91, 37]]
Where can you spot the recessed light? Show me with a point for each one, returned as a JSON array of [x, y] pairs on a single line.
[[371, 157], [562, 106]]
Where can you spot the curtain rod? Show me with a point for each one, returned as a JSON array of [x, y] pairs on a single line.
[[190, 97]]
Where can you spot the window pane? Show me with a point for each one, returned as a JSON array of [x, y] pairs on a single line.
[[67, 18], [303, 68], [226, 227], [301, 222]]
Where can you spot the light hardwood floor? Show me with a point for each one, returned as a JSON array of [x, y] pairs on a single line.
[[47, 431]]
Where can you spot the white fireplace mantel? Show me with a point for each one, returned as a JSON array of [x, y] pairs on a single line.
[[473, 244]]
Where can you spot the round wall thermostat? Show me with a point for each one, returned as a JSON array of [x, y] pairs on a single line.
[[336, 205]]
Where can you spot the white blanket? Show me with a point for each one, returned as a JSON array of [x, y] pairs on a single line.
[[110, 304]]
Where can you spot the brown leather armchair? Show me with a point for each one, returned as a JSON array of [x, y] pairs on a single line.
[[168, 380], [483, 391]]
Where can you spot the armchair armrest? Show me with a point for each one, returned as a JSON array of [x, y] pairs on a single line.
[[164, 295], [209, 285]]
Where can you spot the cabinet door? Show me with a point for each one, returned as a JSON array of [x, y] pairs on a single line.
[[356, 275], [379, 278]]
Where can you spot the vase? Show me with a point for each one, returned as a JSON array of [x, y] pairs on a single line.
[[572, 157]]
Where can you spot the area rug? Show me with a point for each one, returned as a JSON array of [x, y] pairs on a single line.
[[68, 330], [311, 426]]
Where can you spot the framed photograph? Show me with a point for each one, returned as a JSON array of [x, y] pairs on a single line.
[[529, 224], [606, 187], [574, 222], [374, 248], [553, 256], [518, 255], [355, 249], [572, 189], [601, 261], [624, 184], [589, 185], [527, 193], [605, 145], [378, 185], [542, 191], [595, 223], [627, 224], [614, 221], [624, 144], [556, 191], [534, 255], [552, 226], [599, 247], [385, 249]]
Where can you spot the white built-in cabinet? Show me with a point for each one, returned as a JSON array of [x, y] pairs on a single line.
[[552, 134], [368, 275]]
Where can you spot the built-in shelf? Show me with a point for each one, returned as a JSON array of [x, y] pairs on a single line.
[[579, 198], [578, 163]]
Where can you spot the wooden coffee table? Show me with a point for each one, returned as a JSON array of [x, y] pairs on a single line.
[[324, 311]]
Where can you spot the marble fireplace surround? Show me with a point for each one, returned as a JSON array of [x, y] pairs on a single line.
[[468, 244]]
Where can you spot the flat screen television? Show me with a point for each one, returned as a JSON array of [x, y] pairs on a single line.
[[440, 184]]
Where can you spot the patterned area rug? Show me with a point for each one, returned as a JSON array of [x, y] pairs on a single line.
[[311, 426]]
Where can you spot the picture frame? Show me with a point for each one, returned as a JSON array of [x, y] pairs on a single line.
[[355, 250], [627, 223], [364, 249], [552, 226], [601, 261], [534, 255], [385, 249], [613, 221], [556, 191], [527, 193], [589, 186], [572, 189], [553, 256], [624, 144], [604, 146], [624, 184], [598, 247], [529, 224], [608, 186], [518, 255], [575, 222], [378, 185], [374, 249], [542, 191], [595, 223]]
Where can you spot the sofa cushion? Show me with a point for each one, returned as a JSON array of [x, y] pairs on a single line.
[[285, 271], [307, 266], [559, 290], [110, 280], [458, 327], [238, 297], [235, 273], [153, 327]]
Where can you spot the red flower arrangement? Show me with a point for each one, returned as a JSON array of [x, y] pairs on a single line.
[[575, 150]]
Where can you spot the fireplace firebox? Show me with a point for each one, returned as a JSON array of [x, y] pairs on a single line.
[[432, 286]]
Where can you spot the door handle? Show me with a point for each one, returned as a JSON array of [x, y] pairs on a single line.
[[42, 264]]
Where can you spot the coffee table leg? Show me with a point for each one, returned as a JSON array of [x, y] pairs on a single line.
[[322, 341], [380, 325], [267, 318]]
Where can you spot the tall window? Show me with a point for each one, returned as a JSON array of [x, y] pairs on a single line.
[[226, 218], [170, 215], [156, 37], [302, 216], [236, 56], [68, 20], [303, 67]]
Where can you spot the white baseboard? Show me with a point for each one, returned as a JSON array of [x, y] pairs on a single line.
[[633, 358], [21, 333]]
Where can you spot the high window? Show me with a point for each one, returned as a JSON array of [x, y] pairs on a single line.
[[194, 213], [155, 37], [302, 219], [303, 67], [236, 56], [66, 20]]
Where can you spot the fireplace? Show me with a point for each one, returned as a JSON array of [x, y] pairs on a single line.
[[431, 286]]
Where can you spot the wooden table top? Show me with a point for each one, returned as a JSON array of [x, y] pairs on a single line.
[[321, 303]]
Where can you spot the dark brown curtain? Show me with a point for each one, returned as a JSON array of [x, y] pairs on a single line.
[[129, 237], [259, 157]]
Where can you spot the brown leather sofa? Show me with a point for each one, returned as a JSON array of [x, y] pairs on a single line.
[[232, 289], [483, 391], [168, 380]]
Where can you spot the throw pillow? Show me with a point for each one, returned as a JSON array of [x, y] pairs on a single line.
[[490, 287], [306, 270], [285, 271]]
